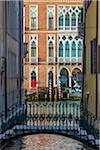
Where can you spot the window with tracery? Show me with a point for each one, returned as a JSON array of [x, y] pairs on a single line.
[[79, 49], [61, 21], [69, 17], [67, 49], [51, 49], [51, 45], [33, 45], [73, 20], [34, 17], [33, 79], [61, 49], [70, 46], [51, 17], [33, 49], [73, 49]]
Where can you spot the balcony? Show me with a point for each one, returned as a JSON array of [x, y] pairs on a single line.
[[34, 60], [79, 60], [67, 60], [73, 60], [68, 29], [51, 60], [61, 60]]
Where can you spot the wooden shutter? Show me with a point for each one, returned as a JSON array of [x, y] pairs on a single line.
[[93, 54], [98, 59]]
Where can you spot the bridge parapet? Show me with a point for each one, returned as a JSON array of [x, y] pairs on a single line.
[[61, 117]]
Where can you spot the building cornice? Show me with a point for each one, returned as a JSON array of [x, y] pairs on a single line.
[[54, 1]]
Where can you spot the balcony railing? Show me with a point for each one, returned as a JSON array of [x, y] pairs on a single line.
[[34, 60], [79, 60], [73, 60], [51, 60], [61, 60], [67, 60], [68, 29]]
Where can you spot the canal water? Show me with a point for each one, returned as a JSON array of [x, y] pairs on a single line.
[[44, 142]]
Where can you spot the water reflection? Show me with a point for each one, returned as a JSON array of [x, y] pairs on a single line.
[[44, 142]]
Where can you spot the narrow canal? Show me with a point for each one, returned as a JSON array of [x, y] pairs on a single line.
[[44, 142]]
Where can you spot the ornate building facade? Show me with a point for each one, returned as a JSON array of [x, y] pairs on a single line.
[[54, 46]]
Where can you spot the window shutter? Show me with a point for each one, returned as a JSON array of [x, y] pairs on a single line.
[[98, 59], [94, 56], [93, 53]]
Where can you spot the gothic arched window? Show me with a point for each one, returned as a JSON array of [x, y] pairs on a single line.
[[79, 49], [79, 18], [33, 49], [33, 79], [33, 16], [51, 49], [73, 49], [50, 78], [67, 49], [50, 21], [67, 20], [60, 49], [61, 20], [73, 19]]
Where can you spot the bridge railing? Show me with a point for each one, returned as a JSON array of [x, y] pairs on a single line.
[[48, 116], [59, 108], [90, 123], [14, 116]]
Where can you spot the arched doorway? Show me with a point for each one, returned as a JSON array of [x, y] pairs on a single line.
[[64, 78], [33, 79], [77, 78]]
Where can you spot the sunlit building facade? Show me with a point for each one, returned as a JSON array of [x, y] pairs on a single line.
[[91, 92], [54, 45]]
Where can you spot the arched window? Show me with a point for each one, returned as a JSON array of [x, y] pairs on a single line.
[[61, 20], [51, 49], [64, 79], [73, 19], [50, 78], [67, 50], [50, 21], [77, 78], [33, 17], [73, 49], [33, 79], [79, 18], [60, 49], [33, 49], [67, 21], [33, 22], [79, 49]]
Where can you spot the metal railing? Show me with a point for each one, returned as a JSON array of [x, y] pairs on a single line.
[[51, 117]]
